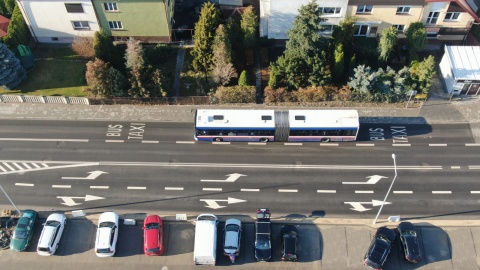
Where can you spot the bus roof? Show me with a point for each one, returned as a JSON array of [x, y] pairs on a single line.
[[235, 118], [300, 119]]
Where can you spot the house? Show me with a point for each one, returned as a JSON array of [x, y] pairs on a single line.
[[145, 20], [460, 70], [4, 22], [52, 21]]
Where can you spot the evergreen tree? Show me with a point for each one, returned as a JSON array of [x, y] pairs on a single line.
[[249, 25], [103, 46], [243, 80], [236, 40], [135, 63], [339, 64], [203, 35], [6, 8], [118, 83], [416, 36], [223, 69], [273, 80], [11, 71], [18, 33], [388, 41], [421, 74]]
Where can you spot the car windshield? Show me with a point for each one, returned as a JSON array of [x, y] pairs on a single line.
[[106, 224], [383, 237], [157, 249], [231, 227], [44, 249], [410, 232], [152, 226], [263, 244], [17, 234], [103, 250], [52, 223]]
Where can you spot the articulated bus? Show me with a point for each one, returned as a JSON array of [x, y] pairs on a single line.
[[276, 125]]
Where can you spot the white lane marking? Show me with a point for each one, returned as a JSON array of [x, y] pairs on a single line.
[[24, 184], [61, 186], [257, 143], [220, 142], [475, 192], [437, 144], [441, 192], [365, 144], [44, 165], [288, 143], [8, 166], [186, 142], [250, 189], [403, 192], [454, 167], [473, 167], [114, 141], [472, 144], [401, 144], [328, 144], [26, 165], [326, 191], [136, 187], [212, 189], [42, 140], [288, 190], [3, 169], [47, 167], [36, 166], [364, 191], [99, 187], [173, 188], [144, 141], [18, 166]]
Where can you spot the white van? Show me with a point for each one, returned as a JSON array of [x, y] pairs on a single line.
[[205, 248]]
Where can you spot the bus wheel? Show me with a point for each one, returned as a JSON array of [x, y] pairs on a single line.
[[264, 139], [325, 140], [218, 139]]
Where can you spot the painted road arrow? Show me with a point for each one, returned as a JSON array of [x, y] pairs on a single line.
[[93, 175], [231, 178], [68, 201], [372, 181], [358, 206], [214, 205]]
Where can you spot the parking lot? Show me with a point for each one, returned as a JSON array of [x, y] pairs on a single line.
[[321, 247]]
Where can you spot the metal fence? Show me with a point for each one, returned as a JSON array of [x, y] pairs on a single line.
[[191, 100], [44, 99]]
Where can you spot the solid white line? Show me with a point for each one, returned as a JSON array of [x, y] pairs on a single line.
[[100, 187], [475, 192], [328, 144], [257, 143], [437, 144], [403, 192], [288, 143], [26, 165], [220, 142], [187, 142], [454, 167], [365, 144], [472, 144], [326, 191], [18, 166], [250, 189], [42, 140], [114, 140], [24, 184], [136, 187], [144, 141], [441, 192], [288, 190], [173, 188], [212, 189], [61, 186], [8, 166], [399, 144], [364, 191]]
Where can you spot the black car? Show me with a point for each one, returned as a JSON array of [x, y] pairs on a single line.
[[289, 243], [379, 248], [410, 242], [263, 245]]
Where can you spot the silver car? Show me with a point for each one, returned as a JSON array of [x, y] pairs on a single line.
[[232, 239]]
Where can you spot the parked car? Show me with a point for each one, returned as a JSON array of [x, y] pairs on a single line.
[[289, 243], [379, 249], [410, 242], [232, 238], [51, 234], [153, 235], [24, 230], [107, 235], [263, 231]]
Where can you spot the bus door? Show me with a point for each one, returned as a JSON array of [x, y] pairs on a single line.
[[282, 126]]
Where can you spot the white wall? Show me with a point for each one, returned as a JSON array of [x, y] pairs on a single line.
[[446, 70], [49, 18]]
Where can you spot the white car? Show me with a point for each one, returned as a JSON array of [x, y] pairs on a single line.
[[107, 234], [51, 234]]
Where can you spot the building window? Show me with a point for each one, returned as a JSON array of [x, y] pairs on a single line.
[[115, 25], [452, 16], [74, 8], [364, 9], [110, 6], [330, 10], [432, 17], [360, 30], [403, 10], [432, 35], [81, 25], [400, 27], [327, 28]]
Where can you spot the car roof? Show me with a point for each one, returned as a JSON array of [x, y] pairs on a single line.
[[290, 247], [412, 245], [103, 240], [46, 236], [152, 219]]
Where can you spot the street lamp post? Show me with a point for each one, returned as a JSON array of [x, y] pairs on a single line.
[[4, 192], [388, 192]]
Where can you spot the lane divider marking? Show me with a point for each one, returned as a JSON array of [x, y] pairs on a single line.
[[402, 144], [437, 144], [173, 188], [100, 187], [144, 141], [403, 192], [257, 143], [364, 191], [24, 184], [328, 144], [115, 141], [472, 144], [288, 190], [441, 192], [61, 186], [326, 191], [220, 142], [136, 187], [250, 189], [288, 143], [365, 144], [454, 167], [212, 189], [186, 142]]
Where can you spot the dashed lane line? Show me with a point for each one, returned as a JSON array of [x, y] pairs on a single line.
[[402, 192], [288, 190], [185, 142], [24, 184], [326, 191], [292, 144], [257, 143], [99, 187], [137, 188], [173, 188], [61, 186], [220, 142], [328, 144], [474, 192], [441, 192], [115, 141], [437, 144], [250, 189], [365, 144], [401, 144], [472, 144], [364, 191], [455, 167], [144, 141], [212, 189], [474, 167]]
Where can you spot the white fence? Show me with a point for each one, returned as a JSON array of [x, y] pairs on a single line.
[[44, 99]]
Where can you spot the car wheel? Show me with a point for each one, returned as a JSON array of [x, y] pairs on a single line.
[[218, 139], [264, 140], [325, 140]]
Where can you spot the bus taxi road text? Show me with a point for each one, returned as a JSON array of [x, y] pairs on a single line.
[[399, 134], [135, 131]]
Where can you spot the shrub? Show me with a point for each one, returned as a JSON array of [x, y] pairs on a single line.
[[83, 46], [243, 80], [236, 94], [310, 94], [277, 95]]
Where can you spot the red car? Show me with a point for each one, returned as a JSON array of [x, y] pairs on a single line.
[[153, 236]]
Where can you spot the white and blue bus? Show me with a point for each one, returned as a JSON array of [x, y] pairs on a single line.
[[276, 125]]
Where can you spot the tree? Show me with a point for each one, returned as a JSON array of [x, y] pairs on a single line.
[[338, 64], [135, 63], [303, 62], [234, 32], [11, 71], [98, 79], [421, 74], [103, 46], [83, 46], [118, 83], [204, 34], [416, 36], [223, 69], [7, 7], [17, 33], [243, 80], [388, 41], [249, 25]]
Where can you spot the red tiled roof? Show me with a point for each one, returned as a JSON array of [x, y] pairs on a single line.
[[4, 22]]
